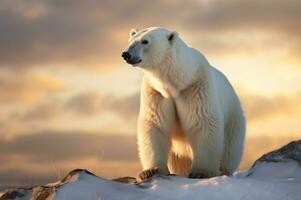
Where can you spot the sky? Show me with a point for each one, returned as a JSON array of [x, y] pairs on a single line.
[[68, 100]]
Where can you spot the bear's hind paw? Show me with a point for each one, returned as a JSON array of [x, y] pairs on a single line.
[[197, 175], [202, 174]]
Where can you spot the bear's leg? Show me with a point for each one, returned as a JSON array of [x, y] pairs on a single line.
[[234, 141], [155, 122], [207, 146], [153, 148]]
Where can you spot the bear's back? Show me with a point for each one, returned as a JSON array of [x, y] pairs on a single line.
[[227, 97]]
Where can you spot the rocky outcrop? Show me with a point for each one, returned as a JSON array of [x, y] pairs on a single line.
[[289, 152]]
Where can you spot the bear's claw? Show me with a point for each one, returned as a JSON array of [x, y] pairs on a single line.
[[148, 173]]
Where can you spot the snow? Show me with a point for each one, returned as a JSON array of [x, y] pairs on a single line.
[[265, 181], [276, 170]]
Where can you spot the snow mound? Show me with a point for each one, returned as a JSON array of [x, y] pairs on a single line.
[[276, 175]]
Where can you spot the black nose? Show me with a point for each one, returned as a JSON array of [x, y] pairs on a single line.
[[126, 55]]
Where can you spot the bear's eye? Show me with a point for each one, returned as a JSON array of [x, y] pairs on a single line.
[[144, 42]]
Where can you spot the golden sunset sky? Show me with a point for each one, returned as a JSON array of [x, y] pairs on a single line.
[[69, 101]]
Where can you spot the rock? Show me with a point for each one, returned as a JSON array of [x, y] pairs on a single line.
[[289, 152], [44, 192], [126, 179], [17, 194]]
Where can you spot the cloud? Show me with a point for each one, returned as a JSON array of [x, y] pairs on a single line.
[[91, 110], [62, 146], [58, 35], [92, 103], [27, 87], [43, 111], [95, 32], [252, 15], [86, 104], [258, 107]]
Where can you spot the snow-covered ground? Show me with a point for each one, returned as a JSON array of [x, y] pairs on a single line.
[[285, 184], [275, 176], [268, 181]]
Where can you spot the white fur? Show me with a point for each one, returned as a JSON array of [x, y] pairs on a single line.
[[190, 118]]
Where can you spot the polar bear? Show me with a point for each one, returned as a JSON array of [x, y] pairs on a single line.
[[191, 121]]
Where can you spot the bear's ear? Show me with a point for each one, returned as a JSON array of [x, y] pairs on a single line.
[[133, 32], [172, 37]]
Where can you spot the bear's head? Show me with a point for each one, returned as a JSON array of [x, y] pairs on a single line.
[[149, 47]]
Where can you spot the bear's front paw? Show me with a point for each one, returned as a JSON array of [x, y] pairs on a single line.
[[148, 173], [200, 174]]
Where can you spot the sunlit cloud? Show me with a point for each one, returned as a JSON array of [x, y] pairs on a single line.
[[26, 87], [94, 33], [258, 107]]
